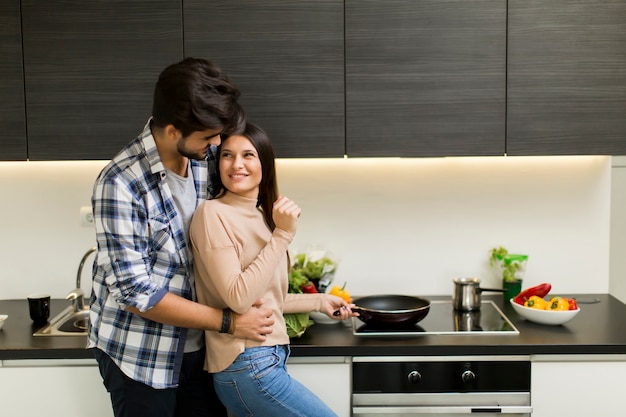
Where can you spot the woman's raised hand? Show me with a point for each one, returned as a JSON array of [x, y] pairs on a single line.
[[285, 214]]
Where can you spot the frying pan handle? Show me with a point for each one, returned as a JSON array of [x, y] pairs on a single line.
[[354, 309]]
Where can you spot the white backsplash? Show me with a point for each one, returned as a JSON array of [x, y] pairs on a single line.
[[397, 225]]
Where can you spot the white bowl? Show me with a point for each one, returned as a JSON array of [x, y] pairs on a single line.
[[3, 318], [322, 318], [544, 316]]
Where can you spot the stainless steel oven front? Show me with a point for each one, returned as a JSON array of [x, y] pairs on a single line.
[[439, 386]]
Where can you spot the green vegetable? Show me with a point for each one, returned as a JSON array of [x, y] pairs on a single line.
[[305, 271], [296, 279], [510, 264], [314, 270], [497, 254], [297, 323], [299, 260]]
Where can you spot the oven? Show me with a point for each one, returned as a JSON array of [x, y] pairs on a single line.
[[439, 386]]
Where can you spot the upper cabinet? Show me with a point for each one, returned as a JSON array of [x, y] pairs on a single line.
[[12, 116], [325, 78], [90, 69], [566, 77], [425, 78], [287, 58]]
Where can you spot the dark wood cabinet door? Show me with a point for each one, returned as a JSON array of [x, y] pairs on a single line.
[[566, 77], [90, 69], [425, 78], [287, 58], [12, 110]]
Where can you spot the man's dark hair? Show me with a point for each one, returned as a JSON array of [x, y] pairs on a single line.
[[195, 94]]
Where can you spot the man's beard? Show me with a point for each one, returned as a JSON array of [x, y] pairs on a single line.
[[188, 154]]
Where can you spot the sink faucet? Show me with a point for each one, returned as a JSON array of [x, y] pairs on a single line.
[[77, 295]]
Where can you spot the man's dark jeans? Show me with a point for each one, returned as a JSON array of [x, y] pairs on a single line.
[[195, 396]]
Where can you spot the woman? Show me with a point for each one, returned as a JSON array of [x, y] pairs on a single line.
[[240, 241]]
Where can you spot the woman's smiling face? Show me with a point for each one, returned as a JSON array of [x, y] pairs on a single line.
[[240, 166]]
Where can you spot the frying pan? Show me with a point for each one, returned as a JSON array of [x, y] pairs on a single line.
[[391, 310]]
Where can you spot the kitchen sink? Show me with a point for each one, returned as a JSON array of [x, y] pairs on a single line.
[[67, 323], [72, 321]]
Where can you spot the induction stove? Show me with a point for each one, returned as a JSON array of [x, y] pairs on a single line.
[[443, 319]]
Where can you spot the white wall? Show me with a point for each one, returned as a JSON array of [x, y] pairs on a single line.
[[398, 225], [412, 225]]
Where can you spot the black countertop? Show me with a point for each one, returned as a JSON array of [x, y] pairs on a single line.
[[598, 329]]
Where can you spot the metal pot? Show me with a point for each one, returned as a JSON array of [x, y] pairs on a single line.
[[467, 294], [391, 310]]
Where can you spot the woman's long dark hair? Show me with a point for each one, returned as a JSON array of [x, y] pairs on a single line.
[[268, 189]]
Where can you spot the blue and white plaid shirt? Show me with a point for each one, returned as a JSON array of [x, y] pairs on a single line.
[[141, 256]]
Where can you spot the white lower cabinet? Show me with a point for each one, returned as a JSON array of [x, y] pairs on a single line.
[[572, 386], [578, 386], [73, 388], [68, 388], [329, 378]]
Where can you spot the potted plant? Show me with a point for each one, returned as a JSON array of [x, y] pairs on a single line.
[[511, 267]]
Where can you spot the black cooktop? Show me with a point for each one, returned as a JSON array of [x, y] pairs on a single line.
[[442, 318]]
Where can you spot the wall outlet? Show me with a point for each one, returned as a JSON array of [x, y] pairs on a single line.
[[86, 216]]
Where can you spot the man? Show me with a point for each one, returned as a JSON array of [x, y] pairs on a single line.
[[145, 326]]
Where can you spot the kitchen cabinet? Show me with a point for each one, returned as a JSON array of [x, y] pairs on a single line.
[[287, 58], [12, 115], [566, 84], [581, 386], [89, 72], [425, 78], [328, 377], [68, 388], [325, 78]]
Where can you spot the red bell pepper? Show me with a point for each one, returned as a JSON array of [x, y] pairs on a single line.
[[540, 290], [309, 288], [573, 305]]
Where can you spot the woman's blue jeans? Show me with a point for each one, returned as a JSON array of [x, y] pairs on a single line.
[[257, 384]]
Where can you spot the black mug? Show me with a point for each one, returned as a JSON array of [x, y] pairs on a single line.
[[39, 308]]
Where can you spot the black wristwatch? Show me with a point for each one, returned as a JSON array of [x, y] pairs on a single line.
[[225, 320]]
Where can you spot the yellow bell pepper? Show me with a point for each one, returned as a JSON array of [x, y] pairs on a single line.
[[536, 302], [558, 304], [341, 292]]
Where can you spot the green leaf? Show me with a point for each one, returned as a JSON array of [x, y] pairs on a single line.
[[297, 323], [296, 279]]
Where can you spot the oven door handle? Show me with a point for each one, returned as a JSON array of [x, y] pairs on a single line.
[[364, 411]]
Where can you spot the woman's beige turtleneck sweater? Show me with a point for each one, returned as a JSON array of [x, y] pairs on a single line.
[[238, 260]]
